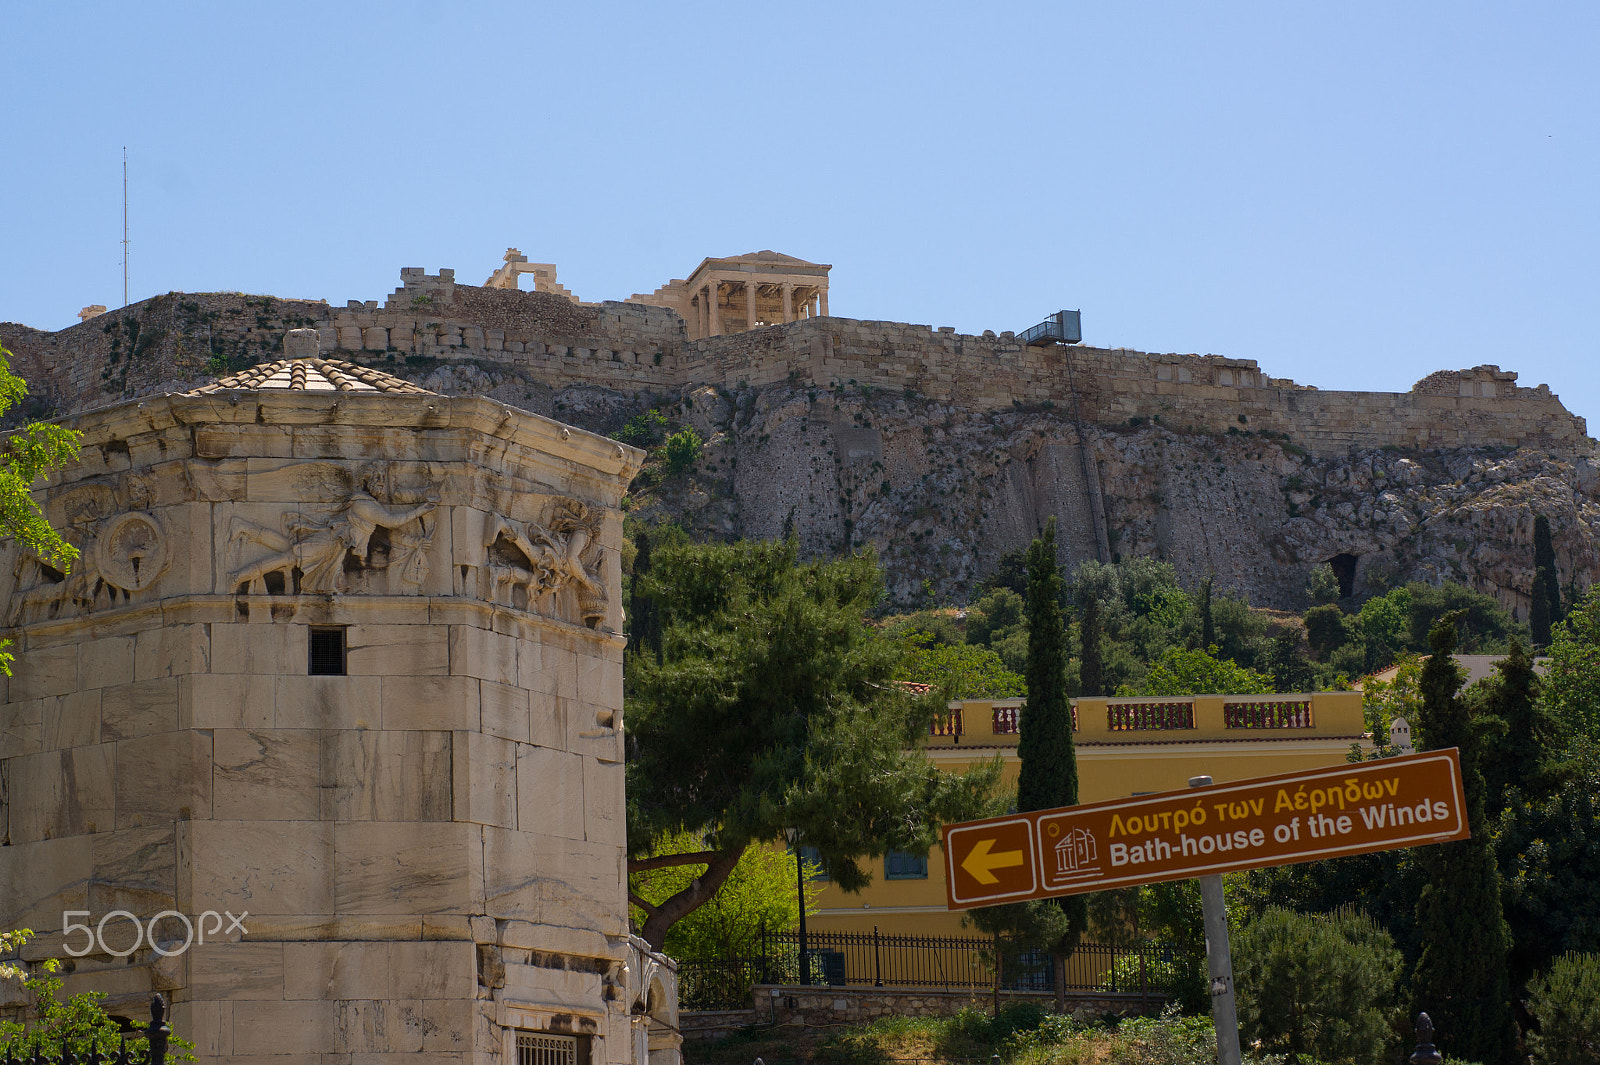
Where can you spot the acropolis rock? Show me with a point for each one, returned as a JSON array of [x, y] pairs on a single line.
[[944, 451]]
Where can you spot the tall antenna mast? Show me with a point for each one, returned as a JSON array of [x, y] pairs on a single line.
[[124, 225]]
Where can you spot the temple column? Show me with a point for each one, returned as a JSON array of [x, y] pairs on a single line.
[[715, 325], [788, 302], [822, 302], [749, 304]]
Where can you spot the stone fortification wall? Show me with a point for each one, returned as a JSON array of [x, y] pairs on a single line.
[[1209, 393], [181, 340]]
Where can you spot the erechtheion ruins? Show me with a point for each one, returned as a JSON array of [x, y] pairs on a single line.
[[341, 656]]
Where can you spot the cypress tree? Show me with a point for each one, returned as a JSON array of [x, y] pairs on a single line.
[[1091, 667], [644, 630], [1048, 777], [1461, 978], [1208, 628], [1544, 609], [1526, 757]]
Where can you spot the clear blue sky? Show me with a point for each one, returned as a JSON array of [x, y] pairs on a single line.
[[1353, 194]]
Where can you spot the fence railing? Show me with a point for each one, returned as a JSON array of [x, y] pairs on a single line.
[[1008, 720], [888, 960], [34, 1050], [1149, 717], [949, 724], [1267, 715]]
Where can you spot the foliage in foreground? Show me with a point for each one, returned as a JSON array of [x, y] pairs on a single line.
[[26, 455], [760, 892], [1317, 987], [1023, 1033], [81, 1020], [772, 708], [1566, 1004]]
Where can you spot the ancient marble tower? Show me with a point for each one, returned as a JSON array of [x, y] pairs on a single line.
[[342, 656]]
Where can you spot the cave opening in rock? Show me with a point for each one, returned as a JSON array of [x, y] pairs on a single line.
[[1344, 570]]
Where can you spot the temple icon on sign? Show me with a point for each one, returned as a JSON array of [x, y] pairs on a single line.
[[1076, 853]]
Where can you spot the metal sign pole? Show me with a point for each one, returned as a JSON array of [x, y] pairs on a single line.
[[1219, 959]]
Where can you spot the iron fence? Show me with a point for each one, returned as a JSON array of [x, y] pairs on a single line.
[[889, 960]]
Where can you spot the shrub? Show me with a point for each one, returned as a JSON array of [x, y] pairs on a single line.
[[644, 429], [1316, 985], [683, 447], [1325, 630], [1566, 1003]]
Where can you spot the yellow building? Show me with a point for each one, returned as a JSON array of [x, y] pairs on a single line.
[[1126, 746]]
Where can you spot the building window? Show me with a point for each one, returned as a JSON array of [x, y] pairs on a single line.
[[898, 865], [327, 652], [813, 857], [543, 1048]]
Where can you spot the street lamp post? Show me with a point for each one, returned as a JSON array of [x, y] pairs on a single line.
[[800, 891]]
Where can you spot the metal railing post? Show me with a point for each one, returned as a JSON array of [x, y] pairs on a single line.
[[1426, 1053], [158, 1031], [877, 959]]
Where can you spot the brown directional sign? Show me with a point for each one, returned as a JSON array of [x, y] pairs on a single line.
[[1248, 824]]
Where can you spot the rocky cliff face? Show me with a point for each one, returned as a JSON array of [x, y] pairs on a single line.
[[1249, 478], [942, 493]]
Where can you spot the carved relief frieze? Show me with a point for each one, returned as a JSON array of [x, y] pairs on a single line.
[[547, 567], [122, 550], [365, 542]]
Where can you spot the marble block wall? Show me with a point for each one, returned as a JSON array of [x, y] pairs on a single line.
[[428, 840]]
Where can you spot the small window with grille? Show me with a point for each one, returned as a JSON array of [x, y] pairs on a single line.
[[327, 652], [544, 1048]]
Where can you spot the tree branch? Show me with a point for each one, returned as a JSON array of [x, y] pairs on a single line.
[[648, 908], [639, 865], [690, 898]]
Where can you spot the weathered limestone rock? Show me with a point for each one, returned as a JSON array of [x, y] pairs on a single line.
[[344, 656]]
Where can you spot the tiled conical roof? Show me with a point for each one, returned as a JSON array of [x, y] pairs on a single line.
[[313, 375]]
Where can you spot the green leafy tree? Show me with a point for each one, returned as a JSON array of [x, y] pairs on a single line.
[[1323, 585], [1544, 609], [1048, 777], [1572, 682], [1326, 630], [759, 893], [1317, 988], [959, 671], [27, 455], [1483, 625], [1208, 625], [1010, 572], [1461, 978], [773, 708], [1385, 626], [683, 447], [80, 1020], [643, 631], [1183, 672], [643, 430], [1290, 667], [995, 616], [1384, 700], [1548, 849], [1566, 1004], [1527, 752], [1091, 666]]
